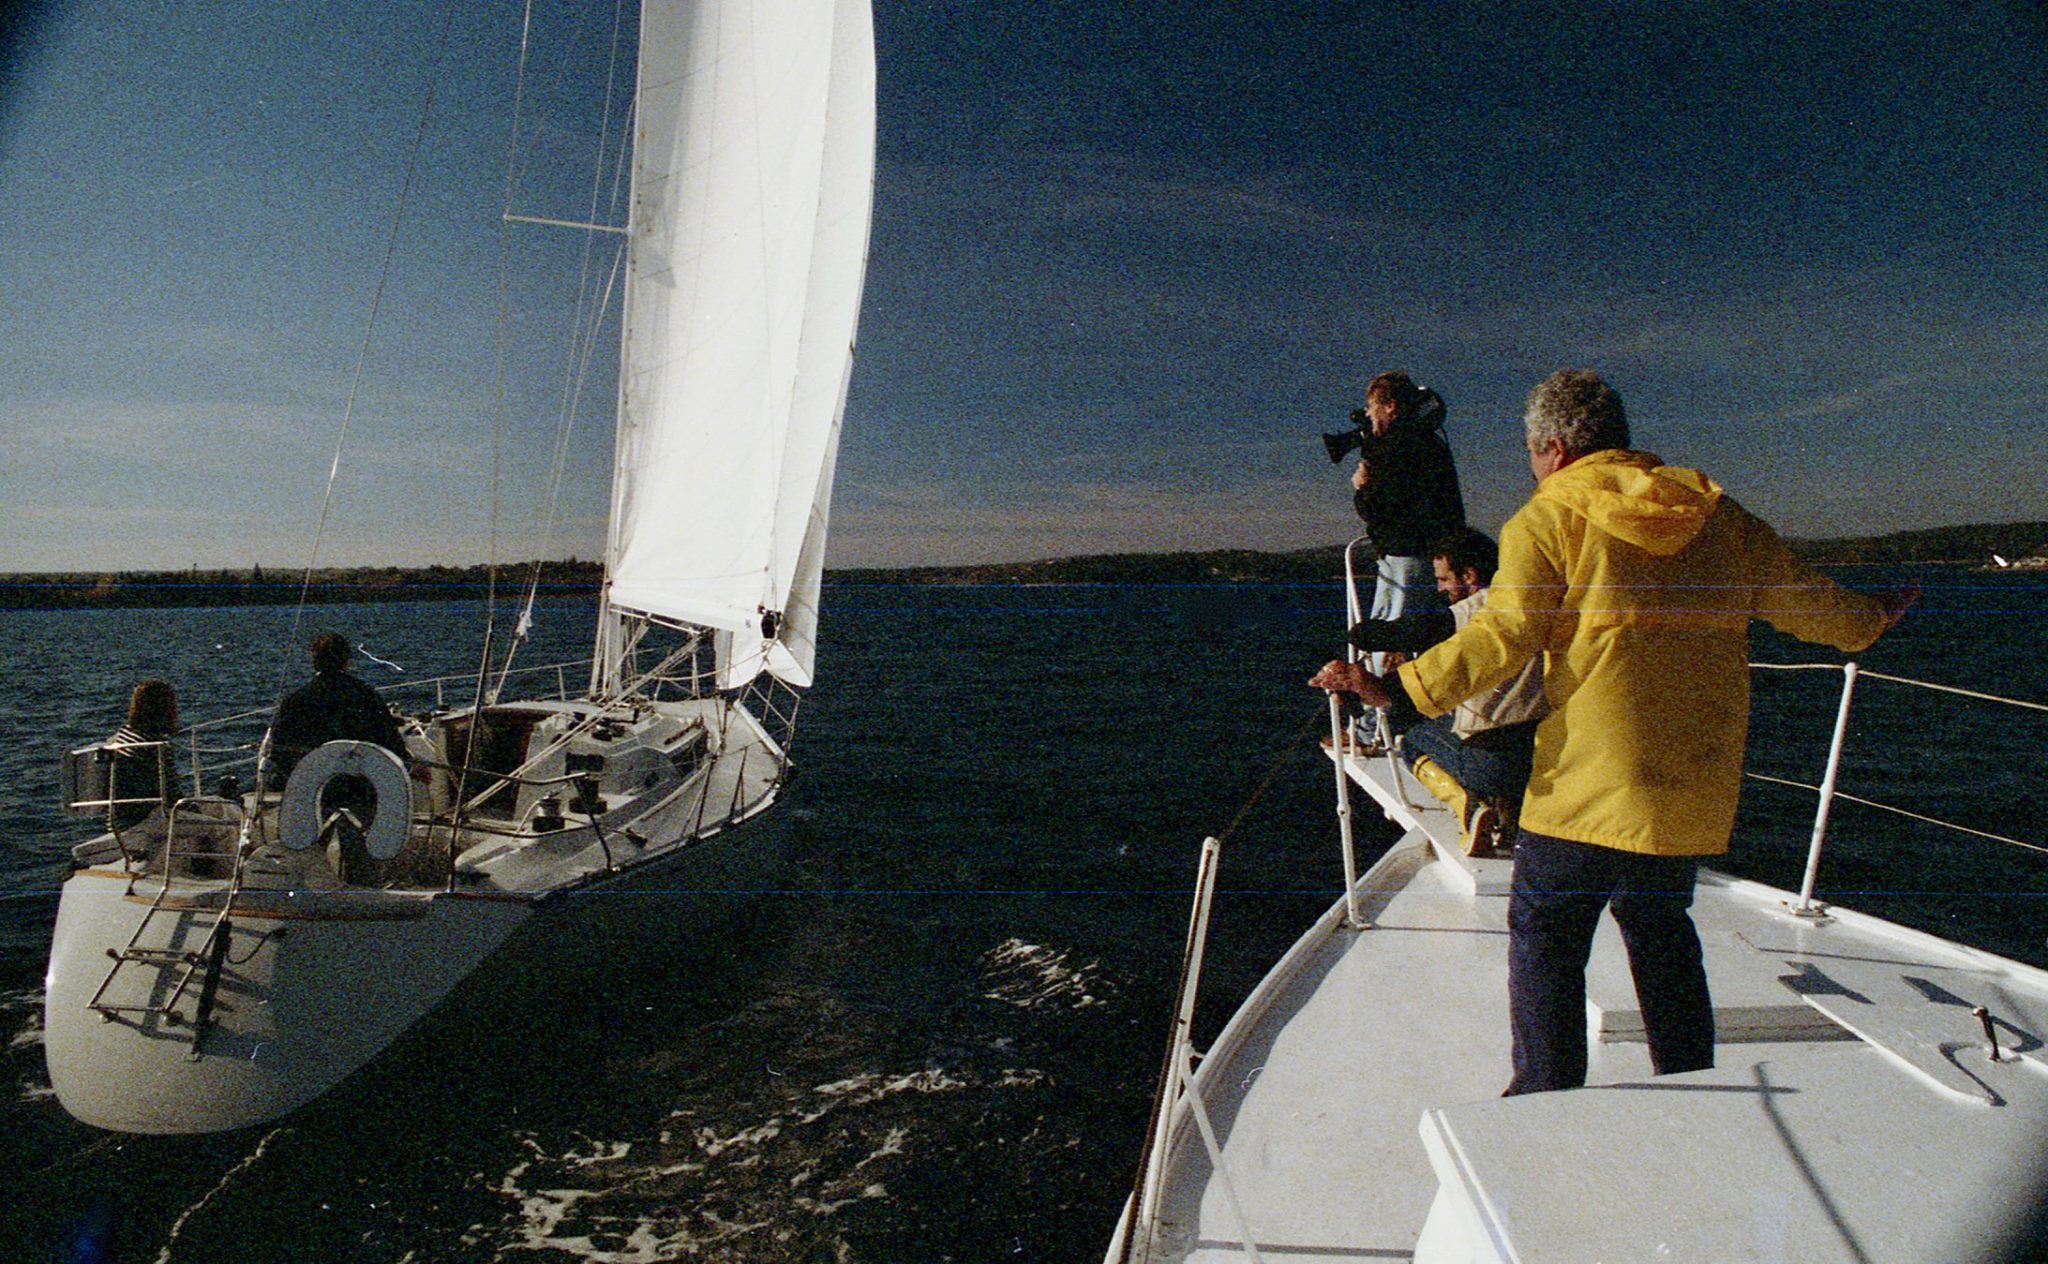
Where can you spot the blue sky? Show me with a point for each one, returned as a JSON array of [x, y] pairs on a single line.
[[1128, 260]]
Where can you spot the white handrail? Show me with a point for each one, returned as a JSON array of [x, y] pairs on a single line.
[[1215, 1149], [1354, 612], [1177, 1055], [393, 687], [1828, 790], [1340, 752], [1827, 795]]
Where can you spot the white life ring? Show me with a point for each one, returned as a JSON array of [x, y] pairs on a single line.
[[298, 816]]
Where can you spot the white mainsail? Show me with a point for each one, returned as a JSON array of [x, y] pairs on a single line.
[[753, 171]]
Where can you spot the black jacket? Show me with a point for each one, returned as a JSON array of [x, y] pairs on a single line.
[[332, 707], [1411, 502]]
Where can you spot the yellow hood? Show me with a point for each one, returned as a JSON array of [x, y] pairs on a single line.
[[1635, 497]]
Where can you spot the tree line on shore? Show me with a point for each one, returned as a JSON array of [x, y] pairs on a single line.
[[258, 587], [1969, 545]]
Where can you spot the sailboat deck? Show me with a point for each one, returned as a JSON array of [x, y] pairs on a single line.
[[1854, 1114]]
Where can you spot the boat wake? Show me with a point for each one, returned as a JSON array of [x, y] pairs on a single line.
[[1030, 976], [21, 1017], [248, 1163], [704, 1188]]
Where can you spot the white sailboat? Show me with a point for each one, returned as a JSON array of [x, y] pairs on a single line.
[[1880, 1094], [229, 957]]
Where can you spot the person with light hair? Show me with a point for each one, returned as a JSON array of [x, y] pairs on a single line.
[[1636, 581]]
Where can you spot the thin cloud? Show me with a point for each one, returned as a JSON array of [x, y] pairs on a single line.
[[180, 436], [1895, 389]]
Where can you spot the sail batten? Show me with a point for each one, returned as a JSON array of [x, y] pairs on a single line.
[[753, 170]]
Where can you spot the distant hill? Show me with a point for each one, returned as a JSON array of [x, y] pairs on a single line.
[[1975, 545], [1220, 565], [1971, 545], [255, 587]]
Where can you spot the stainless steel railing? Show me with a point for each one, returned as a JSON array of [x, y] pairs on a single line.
[[1829, 790], [211, 747]]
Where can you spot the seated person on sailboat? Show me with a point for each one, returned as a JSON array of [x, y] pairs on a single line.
[[1475, 758], [335, 706], [1638, 580], [142, 774]]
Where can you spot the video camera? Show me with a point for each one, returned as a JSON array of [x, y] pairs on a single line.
[[1429, 413]]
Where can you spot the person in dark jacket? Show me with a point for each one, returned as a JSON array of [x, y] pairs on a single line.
[[335, 706], [1405, 487]]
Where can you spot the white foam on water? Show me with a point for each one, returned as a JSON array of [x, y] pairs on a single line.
[[34, 1087], [605, 1152], [1032, 976], [250, 1160], [30, 1003], [703, 1191], [891, 1144], [541, 1212], [714, 1146], [861, 1089]]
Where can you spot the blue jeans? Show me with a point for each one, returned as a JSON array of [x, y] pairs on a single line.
[[1558, 890], [1494, 767], [1404, 584]]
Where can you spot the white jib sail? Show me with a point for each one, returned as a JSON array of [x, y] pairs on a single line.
[[753, 176]]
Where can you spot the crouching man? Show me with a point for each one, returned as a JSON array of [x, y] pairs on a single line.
[[1474, 758]]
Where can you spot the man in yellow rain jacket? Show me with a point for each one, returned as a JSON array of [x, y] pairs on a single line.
[[1637, 581]]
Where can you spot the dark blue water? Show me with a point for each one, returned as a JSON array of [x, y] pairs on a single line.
[[925, 1024]]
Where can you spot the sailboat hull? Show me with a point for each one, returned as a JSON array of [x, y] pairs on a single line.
[[304, 993], [162, 1015]]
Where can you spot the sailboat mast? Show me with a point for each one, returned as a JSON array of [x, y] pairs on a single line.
[[604, 661], [607, 676]]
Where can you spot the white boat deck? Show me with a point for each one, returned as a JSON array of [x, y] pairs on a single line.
[[1854, 1114]]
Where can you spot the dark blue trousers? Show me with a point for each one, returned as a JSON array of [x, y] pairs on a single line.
[[1558, 891], [1494, 765]]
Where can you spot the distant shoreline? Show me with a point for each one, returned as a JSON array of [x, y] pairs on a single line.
[[114, 590]]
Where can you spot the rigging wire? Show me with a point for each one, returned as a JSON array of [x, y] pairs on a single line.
[[587, 328], [1867, 674], [1316, 720], [1967, 693], [412, 162], [1886, 807], [483, 666]]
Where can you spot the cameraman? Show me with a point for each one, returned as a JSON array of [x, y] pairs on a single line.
[[1406, 490]]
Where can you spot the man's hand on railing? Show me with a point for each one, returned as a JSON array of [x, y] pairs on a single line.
[[1338, 676]]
